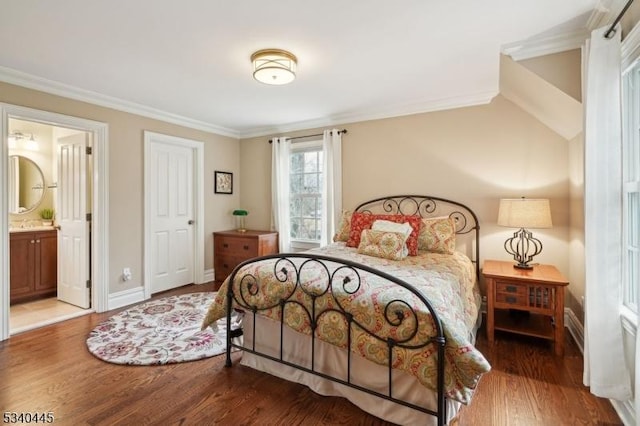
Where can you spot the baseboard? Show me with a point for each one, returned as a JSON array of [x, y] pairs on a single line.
[[575, 327], [209, 276], [625, 411], [126, 297]]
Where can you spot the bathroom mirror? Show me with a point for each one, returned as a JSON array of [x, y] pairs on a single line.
[[26, 185]]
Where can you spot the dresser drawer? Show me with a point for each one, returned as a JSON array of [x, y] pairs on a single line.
[[236, 246], [224, 265]]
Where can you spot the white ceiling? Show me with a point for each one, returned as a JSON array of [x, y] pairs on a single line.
[[357, 59]]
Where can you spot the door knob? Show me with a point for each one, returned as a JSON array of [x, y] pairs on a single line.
[[191, 222]]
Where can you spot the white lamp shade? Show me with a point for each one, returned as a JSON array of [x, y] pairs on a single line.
[[524, 213], [274, 66]]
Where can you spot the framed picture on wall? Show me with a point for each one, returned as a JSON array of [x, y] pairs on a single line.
[[223, 182]]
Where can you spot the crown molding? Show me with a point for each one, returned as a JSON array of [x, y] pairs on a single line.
[[547, 45], [19, 78], [431, 105], [604, 13]]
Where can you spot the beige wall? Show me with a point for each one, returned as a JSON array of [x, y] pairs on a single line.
[[576, 233], [474, 155], [126, 200], [563, 70]]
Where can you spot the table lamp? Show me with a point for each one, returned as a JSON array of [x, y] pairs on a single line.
[[524, 213], [240, 215]]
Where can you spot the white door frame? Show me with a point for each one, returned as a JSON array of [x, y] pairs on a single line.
[[198, 204], [99, 218]]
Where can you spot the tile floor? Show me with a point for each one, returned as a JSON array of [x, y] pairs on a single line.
[[30, 315]]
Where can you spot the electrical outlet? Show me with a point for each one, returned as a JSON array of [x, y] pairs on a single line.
[[126, 274]]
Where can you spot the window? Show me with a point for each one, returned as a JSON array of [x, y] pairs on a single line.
[[305, 173], [631, 186]]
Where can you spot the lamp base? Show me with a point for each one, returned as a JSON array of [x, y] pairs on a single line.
[[523, 247], [522, 266]]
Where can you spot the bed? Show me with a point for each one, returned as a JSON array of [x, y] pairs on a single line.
[[386, 316]]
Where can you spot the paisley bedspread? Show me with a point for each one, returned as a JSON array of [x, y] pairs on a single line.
[[447, 281]]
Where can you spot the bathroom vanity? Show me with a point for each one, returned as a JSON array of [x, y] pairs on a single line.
[[34, 264]]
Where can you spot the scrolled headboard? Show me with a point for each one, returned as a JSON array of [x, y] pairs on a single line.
[[467, 225]]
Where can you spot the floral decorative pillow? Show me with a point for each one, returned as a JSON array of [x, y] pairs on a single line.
[[344, 226], [388, 226], [362, 221], [384, 244], [438, 235]]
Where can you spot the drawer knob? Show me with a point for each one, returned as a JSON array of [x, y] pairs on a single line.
[[225, 245], [512, 289], [246, 247], [511, 299], [224, 265]]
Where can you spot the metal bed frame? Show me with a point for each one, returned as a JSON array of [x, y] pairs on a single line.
[[346, 275]]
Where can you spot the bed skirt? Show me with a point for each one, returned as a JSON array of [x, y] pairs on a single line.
[[331, 360]]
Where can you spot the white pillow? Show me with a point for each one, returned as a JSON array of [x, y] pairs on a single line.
[[388, 226]]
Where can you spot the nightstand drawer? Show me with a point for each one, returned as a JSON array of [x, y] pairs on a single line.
[[511, 294], [512, 299], [236, 246], [510, 288]]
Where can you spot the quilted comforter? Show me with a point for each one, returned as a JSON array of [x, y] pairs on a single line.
[[447, 281]]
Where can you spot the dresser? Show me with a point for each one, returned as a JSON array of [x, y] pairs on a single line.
[[233, 247], [33, 265]]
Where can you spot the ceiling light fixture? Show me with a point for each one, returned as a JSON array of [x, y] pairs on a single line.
[[274, 66]]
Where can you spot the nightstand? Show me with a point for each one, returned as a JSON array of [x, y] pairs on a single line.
[[525, 301], [231, 248]]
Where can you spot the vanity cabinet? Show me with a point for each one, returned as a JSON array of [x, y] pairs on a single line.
[[33, 265]]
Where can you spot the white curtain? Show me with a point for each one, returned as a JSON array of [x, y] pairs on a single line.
[[331, 184], [280, 150], [605, 369]]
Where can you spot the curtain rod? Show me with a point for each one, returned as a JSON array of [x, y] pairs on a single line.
[[343, 131], [611, 31]]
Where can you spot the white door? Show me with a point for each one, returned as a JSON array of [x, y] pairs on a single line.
[[171, 216], [71, 215]]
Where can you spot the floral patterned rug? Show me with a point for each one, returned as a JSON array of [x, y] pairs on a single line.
[[161, 331]]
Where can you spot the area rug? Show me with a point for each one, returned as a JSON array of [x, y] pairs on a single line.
[[161, 331]]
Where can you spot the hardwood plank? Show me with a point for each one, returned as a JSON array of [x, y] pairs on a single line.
[[50, 369]]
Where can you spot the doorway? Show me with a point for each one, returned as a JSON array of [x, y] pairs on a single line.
[[48, 224], [97, 179]]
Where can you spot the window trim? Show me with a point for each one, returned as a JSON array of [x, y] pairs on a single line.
[[630, 59]]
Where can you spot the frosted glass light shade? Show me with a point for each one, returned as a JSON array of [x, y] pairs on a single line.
[[274, 66], [524, 213]]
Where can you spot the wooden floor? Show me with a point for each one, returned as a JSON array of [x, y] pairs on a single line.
[[50, 370]]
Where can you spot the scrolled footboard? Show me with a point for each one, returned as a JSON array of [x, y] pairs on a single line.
[[321, 291]]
